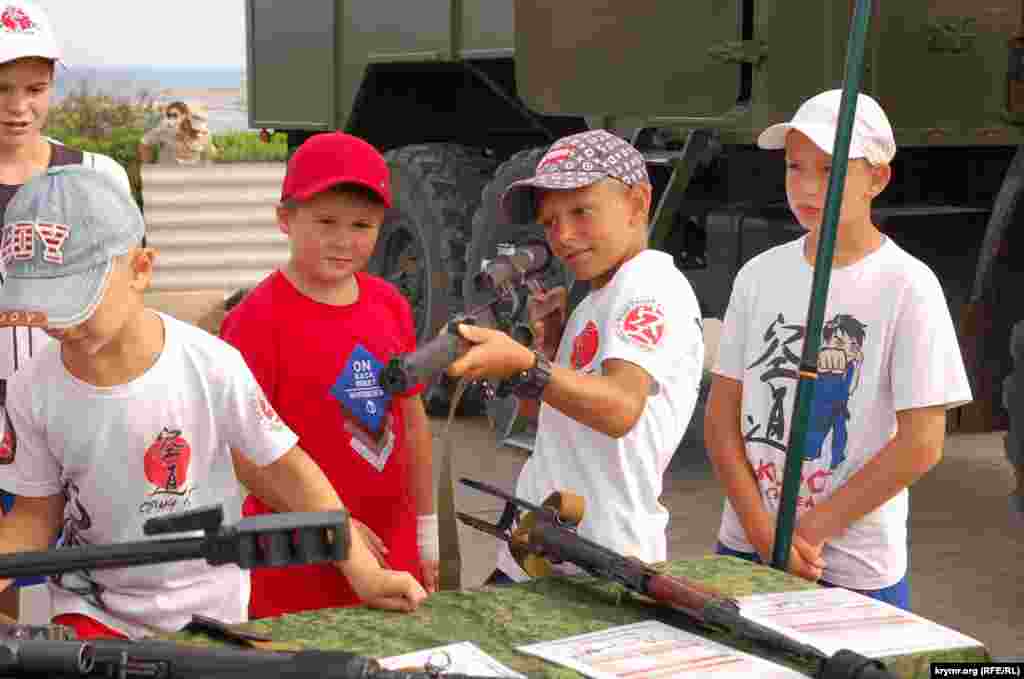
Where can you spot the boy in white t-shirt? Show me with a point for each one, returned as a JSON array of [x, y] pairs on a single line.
[[132, 414], [618, 395], [889, 366]]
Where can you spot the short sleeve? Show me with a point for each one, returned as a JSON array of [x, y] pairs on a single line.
[[27, 465], [112, 169], [732, 340], [657, 327], [927, 366], [243, 329], [255, 428], [407, 328]]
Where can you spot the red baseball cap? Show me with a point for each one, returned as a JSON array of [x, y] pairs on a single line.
[[330, 158]]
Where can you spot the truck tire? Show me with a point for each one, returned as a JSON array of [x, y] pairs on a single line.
[[422, 243], [1013, 401], [491, 226]]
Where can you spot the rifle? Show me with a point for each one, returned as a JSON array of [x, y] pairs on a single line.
[[263, 541], [255, 542], [503, 284], [168, 660], [548, 533]]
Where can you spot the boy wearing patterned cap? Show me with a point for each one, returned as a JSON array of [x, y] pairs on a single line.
[[132, 414], [889, 366], [618, 381]]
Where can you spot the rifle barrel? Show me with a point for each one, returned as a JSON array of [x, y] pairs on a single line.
[[67, 559]]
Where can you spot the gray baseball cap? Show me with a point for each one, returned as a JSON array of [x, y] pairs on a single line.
[[574, 162], [61, 232]]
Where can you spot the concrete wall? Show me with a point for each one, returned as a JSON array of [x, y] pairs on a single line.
[[216, 232]]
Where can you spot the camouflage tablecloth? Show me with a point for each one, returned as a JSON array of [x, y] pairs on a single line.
[[497, 619]]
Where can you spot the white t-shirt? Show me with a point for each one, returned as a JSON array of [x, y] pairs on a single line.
[[121, 455], [888, 344], [647, 315]]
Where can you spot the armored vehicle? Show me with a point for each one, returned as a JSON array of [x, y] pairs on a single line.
[[465, 95]]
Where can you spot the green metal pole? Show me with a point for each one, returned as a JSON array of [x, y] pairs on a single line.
[[819, 290]]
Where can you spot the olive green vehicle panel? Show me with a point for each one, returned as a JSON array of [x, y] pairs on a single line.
[[308, 61], [626, 57], [940, 70], [291, 67], [938, 67]]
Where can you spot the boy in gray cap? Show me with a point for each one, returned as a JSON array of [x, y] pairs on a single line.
[[132, 414], [618, 380]]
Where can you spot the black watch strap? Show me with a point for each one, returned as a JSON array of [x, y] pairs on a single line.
[[530, 384]]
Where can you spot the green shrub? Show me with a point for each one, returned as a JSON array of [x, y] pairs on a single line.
[[236, 147]]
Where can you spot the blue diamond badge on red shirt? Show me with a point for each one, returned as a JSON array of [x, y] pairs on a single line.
[[358, 389]]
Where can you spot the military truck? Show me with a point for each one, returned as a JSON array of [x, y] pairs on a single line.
[[465, 95]]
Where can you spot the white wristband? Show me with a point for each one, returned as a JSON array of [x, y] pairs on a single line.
[[426, 537]]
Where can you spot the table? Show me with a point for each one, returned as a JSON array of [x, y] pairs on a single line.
[[497, 619]]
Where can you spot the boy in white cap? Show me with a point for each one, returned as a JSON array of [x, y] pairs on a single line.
[[889, 367], [132, 414], [619, 380], [28, 54]]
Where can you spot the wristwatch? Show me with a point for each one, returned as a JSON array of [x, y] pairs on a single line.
[[530, 383]]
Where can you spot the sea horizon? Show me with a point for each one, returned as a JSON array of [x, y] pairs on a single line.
[[203, 83]]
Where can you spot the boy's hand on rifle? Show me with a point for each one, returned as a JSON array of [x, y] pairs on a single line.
[[373, 542], [546, 312], [493, 355], [379, 587], [431, 574]]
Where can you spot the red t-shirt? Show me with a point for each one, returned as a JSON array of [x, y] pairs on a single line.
[[298, 349]]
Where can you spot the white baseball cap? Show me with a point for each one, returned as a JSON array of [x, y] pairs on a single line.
[[871, 138], [25, 31]]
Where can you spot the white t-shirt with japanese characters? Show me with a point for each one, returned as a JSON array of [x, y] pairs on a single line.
[[646, 314], [888, 344], [121, 455]]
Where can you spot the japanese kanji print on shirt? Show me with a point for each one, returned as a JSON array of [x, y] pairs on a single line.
[[887, 344], [840, 357]]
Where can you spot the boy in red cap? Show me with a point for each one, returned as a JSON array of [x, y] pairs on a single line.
[[316, 335]]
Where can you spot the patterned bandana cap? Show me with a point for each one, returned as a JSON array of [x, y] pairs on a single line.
[[574, 162]]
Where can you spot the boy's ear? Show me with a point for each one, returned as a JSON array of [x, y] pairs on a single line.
[[881, 175], [640, 203], [142, 260], [284, 215]]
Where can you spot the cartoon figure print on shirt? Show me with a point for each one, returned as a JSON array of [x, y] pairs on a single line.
[[364, 405], [76, 522], [840, 357]]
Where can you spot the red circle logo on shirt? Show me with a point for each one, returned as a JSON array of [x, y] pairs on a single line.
[[584, 347], [643, 323], [166, 462], [9, 443]]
